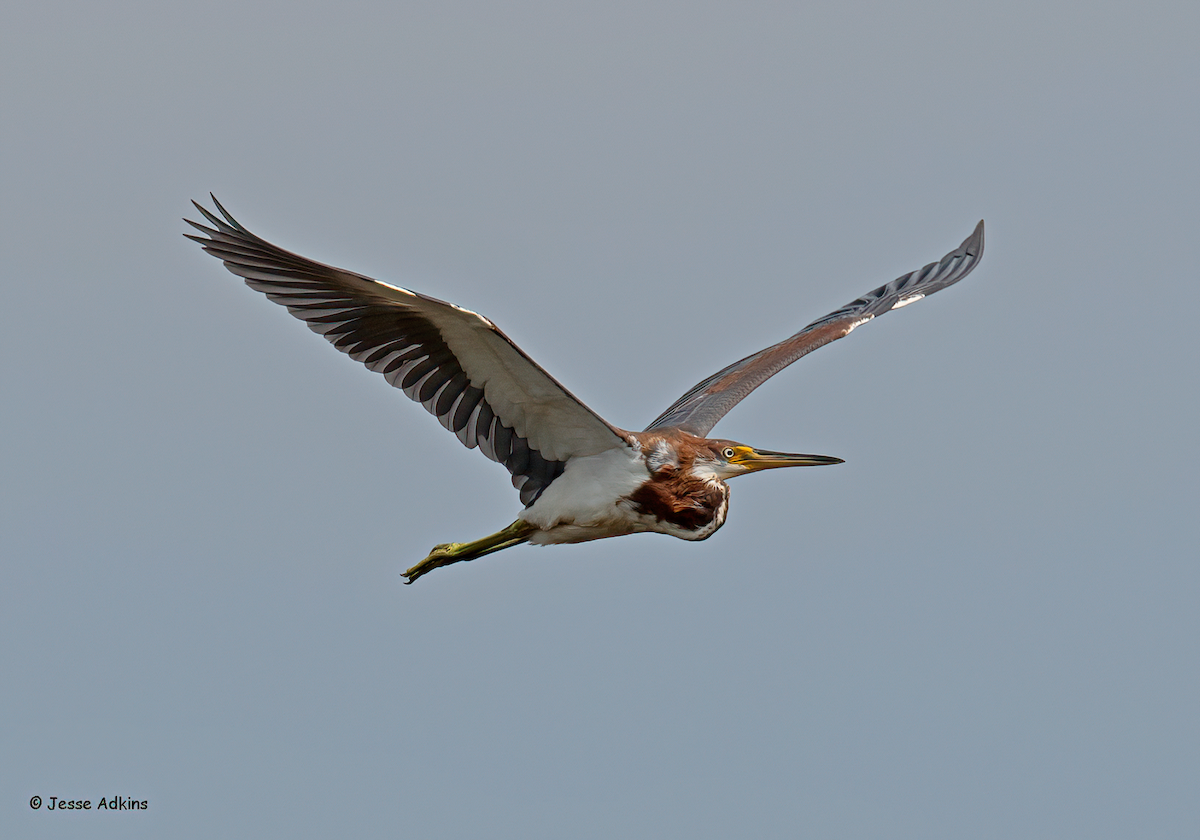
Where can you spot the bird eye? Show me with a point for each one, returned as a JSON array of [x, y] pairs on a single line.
[[727, 453]]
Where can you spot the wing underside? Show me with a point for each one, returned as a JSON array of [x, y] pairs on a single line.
[[453, 361]]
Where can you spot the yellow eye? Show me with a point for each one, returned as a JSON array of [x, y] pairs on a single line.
[[727, 453]]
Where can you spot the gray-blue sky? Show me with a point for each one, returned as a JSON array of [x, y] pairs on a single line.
[[983, 624]]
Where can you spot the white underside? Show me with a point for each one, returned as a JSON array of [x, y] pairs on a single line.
[[585, 502]]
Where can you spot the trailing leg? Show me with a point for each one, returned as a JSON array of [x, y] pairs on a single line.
[[447, 553]]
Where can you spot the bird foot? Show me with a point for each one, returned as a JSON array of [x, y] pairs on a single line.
[[441, 555]]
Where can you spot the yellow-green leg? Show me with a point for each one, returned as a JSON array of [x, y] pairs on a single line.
[[447, 553]]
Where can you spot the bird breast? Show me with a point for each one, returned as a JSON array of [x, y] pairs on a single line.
[[614, 493], [682, 503]]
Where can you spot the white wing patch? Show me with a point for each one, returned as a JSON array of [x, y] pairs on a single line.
[[466, 311], [906, 301], [858, 323], [399, 289]]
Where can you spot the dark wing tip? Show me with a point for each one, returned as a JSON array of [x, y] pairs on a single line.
[[232, 221], [973, 244], [225, 225]]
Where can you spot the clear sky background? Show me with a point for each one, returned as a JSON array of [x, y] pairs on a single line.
[[983, 625]]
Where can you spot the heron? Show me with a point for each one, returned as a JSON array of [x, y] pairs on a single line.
[[579, 477]]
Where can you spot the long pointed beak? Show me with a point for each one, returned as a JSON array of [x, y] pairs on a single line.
[[761, 459]]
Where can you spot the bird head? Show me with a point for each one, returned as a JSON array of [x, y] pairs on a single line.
[[731, 459]]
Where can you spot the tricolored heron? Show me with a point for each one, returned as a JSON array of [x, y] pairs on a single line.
[[580, 478]]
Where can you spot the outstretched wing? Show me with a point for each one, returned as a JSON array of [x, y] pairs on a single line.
[[451, 360], [699, 409]]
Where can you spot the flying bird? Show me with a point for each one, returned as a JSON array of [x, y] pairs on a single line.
[[579, 477]]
